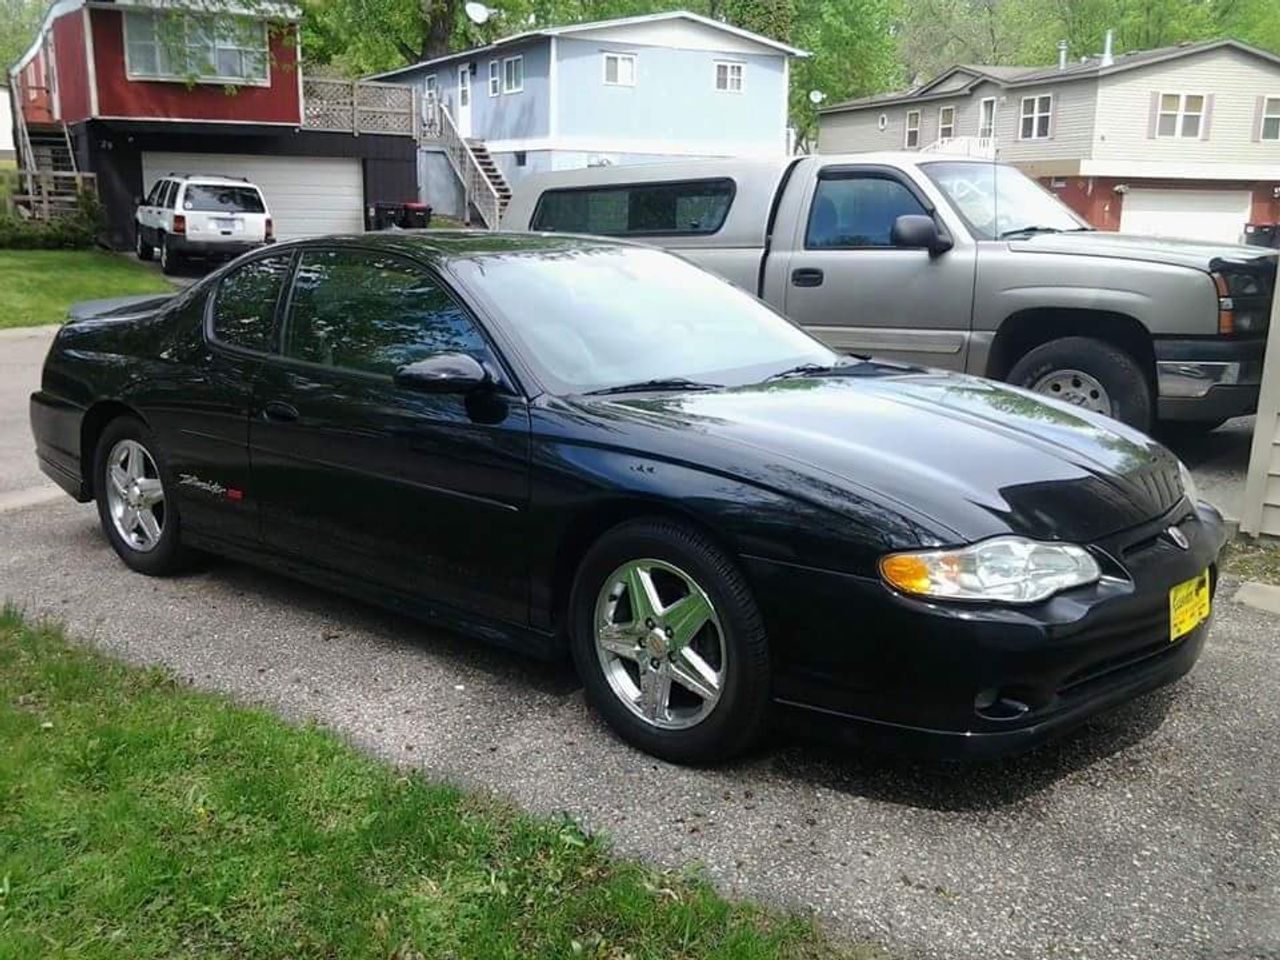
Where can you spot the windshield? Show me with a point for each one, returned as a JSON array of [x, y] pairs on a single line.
[[591, 318], [215, 198], [996, 200]]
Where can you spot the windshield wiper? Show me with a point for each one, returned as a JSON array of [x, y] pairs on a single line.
[[1028, 230], [816, 369], [660, 383]]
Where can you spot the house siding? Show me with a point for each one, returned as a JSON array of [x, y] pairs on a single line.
[[1234, 78], [674, 99], [118, 96], [1074, 115], [74, 99]]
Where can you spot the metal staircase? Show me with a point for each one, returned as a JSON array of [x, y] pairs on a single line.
[[484, 190], [491, 172]]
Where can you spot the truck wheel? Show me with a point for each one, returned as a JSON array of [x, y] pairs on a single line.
[[1088, 373]]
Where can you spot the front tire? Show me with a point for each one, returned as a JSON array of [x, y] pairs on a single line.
[[144, 250], [133, 489], [669, 642], [1091, 374]]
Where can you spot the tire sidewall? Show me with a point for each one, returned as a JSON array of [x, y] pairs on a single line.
[[1119, 374], [738, 714], [166, 557]]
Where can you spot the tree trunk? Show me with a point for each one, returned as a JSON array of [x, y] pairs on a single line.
[[438, 17]]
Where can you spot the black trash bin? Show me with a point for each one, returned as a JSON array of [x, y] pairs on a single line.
[[1262, 235], [383, 215], [416, 216]]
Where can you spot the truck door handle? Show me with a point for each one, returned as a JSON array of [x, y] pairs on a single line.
[[279, 411], [806, 277]]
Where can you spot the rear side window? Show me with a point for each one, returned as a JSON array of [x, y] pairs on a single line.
[[244, 309], [215, 198], [857, 211], [374, 313], [687, 207], [167, 194]]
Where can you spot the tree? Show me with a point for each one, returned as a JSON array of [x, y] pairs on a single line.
[[19, 20]]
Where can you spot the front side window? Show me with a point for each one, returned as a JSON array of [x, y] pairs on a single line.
[[730, 75], [178, 47], [857, 211], [619, 70], [1036, 116], [1270, 118], [513, 75], [219, 198], [372, 313], [995, 200], [913, 130], [1181, 115], [244, 306], [693, 207], [153, 198], [946, 123], [495, 78]]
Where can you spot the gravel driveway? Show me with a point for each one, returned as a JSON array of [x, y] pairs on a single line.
[[1153, 833]]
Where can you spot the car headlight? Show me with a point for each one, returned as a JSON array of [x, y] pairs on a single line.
[[1004, 569], [1188, 483]]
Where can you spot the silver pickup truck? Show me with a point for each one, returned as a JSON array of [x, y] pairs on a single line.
[[950, 262]]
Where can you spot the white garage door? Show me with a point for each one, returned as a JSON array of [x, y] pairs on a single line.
[[307, 196], [1198, 214]]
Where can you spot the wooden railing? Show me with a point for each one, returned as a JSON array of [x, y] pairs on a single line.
[[358, 106], [984, 147], [477, 191], [47, 195]]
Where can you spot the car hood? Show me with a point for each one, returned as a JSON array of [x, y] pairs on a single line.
[[966, 457], [1098, 243]]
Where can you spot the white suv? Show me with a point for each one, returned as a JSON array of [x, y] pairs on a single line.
[[187, 216]]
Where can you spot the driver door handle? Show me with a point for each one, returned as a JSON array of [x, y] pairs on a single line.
[[806, 277], [279, 411]]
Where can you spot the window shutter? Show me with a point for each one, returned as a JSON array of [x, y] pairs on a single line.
[[1206, 121], [1154, 117], [1053, 117], [1258, 107]]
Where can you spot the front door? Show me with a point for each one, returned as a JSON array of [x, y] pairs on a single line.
[[423, 493], [464, 101], [852, 288]]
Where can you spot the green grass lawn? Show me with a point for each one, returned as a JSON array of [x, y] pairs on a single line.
[[37, 286], [140, 819]]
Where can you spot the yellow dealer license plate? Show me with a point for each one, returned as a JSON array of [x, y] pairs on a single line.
[[1188, 605]]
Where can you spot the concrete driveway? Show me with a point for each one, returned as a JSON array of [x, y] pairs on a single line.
[[1155, 832]]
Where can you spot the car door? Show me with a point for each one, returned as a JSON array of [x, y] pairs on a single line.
[[147, 211], [850, 286], [423, 493]]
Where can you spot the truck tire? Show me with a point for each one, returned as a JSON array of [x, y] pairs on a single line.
[[1088, 373]]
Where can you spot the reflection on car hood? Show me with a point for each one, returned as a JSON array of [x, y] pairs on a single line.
[[1132, 246], [974, 457]]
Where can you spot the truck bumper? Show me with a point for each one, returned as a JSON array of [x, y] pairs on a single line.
[[1208, 379]]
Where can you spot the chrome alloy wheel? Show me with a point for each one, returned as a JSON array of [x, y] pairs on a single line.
[[135, 495], [1075, 387], [660, 644]]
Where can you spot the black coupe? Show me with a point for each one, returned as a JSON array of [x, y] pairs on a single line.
[[556, 442]]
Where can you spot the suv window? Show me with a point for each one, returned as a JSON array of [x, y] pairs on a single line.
[[244, 306], [857, 211], [168, 194], [154, 195], [689, 207], [219, 198], [373, 312]]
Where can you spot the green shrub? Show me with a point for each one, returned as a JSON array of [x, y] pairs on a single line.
[[77, 230]]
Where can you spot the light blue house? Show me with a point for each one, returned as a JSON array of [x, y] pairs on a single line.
[[634, 90]]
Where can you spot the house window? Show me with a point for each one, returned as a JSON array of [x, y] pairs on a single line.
[[987, 118], [1036, 114], [495, 78], [729, 75], [170, 47], [619, 69], [913, 130], [1271, 118], [946, 123], [1180, 115], [513, 74], [431, 86]]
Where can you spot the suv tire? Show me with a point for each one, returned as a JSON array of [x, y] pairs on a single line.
[[144, 250], [169, 259], [1084, 370]]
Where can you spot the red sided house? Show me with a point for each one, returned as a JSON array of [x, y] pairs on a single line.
[[131, 91]]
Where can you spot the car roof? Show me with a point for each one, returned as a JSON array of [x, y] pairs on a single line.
[[461, 244], [210, 178]]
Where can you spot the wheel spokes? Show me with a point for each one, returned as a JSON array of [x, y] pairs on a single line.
[[655, 691], [691, 670], [686, 616], [149, 525], [642, 594], [119, 479], [150, 490], [618, 639]]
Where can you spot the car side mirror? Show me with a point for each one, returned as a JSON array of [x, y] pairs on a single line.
[[443, 373], [915, 231]]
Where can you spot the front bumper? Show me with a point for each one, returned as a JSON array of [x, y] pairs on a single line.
[[913, 675], [1211, 379]]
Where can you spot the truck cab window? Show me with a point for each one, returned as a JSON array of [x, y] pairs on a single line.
[[859, 211]]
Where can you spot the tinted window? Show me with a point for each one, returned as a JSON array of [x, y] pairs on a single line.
[[154, 195], [244, 310], [693, 207], [857, 212], [372, 312], [215, 198]]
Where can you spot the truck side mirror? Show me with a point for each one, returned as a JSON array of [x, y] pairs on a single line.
[[915, 231]]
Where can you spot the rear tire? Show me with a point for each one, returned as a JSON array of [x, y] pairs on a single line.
[[1090, 373], [169, 259], [144, 250], [694, 686]]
